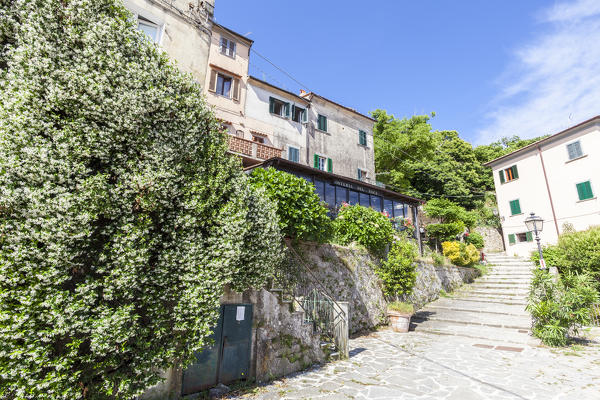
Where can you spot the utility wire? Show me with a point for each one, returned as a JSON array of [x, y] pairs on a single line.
[[280, 69]]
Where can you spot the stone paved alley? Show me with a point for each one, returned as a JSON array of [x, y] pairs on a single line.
[[473, 345]]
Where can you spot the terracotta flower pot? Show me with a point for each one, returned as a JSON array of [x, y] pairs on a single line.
[[400, 322]]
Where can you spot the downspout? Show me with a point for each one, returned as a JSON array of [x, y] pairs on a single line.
[[417, 228], [548, 189]]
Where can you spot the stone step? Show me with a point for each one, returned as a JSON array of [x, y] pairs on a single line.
[[492, 308], [473, 318], [499, 286], [493, 300], [503, 335], [493, 279], [494, 292]]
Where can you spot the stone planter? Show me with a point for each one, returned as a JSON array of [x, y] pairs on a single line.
[[399, 322]]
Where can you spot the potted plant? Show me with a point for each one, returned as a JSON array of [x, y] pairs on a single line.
[[399, 314]]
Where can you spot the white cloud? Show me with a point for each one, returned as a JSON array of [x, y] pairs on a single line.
[[554, 82]]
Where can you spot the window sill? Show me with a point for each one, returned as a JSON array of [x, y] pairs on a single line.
[[584, 200], [320, 130], [512, 180], [577, 158], [281, 116], [363, 145], [516, 215]]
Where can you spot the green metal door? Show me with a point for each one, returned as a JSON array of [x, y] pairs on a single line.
[[228, 359], [237, 332]]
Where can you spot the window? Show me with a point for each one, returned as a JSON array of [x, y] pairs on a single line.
[[376, 203], [398, 209], [515, 207], [584, 190], [279, 107], [522, 237], [330, 194], [352, 197], [224, 85], [362, 138], [322, 123], [508, 174], [388, 206], [341, 195], [364, 200], [574, 150], [362, 174], [150, 29], [258, 139], [293, 154], [322, 163], [320, 188], [299, 114], [227, 47]]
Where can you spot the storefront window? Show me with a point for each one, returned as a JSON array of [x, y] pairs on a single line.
[[364, 200], [398, 210], [330, 194], [376, 203], [352, 197], [341, 195], [320, 189], [388, 206]]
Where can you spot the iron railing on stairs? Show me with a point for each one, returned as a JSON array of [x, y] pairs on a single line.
[[307, 293]]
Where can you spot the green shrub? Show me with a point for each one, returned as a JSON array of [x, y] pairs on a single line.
[[398, 272], [299, 210], [461, 254], [552, 256], [122, 217], [401, 307], [363, 225], [580, 252], [475, 239], [445, 232], [438, 259], [560, 306]]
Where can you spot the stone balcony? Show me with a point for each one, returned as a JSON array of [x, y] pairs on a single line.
[[255, 150]]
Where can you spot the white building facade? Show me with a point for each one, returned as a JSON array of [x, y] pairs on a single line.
[[557, 178]]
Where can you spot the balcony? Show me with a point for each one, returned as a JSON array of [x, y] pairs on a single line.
[[257, 151]]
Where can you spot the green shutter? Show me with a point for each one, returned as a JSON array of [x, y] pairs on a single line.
[[529, 236], [329, 165], [362, 138], [271, 105], [287, 110], [501, 175], [325, 124], [320, 122], [305, 115], [358, 174], [515, 172], [511, 239], [515, 207], [316, 162], [293, 110], [584, 190]]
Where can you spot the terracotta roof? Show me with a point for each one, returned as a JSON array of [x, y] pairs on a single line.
[[542, 141], [278, 88]]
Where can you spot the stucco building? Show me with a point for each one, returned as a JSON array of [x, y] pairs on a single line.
[[557, 178], [180, 27]]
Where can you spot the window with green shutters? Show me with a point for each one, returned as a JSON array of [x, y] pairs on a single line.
[[322, 123], [584, 190], [512, 239], [362, 138], [294, 154], [279, 107], [323, 163], [329, 165], [515, 207], [508, 174]]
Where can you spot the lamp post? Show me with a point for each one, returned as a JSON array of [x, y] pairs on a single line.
[[535, 224]]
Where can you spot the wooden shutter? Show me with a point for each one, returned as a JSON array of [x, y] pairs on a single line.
[[271, 105], [515, 207], [293, 110], [362, 138], [325, 124], [359, 174], [287, 110], [584, 190], [501, 175], [223, 45], [232, 48], [316, 161], [212, 86], [236, 89], [515, 172], [529, 236], [329, 165], [512, 239], [305, 115]]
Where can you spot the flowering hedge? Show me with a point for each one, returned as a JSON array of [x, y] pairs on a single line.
[[121, 216], [363, 225], [460, 254]]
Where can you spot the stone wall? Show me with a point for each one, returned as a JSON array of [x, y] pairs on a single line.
[[347, 274], [492, 239], [432, 279]]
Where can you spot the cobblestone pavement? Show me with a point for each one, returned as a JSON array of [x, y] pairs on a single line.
[[417, 365]]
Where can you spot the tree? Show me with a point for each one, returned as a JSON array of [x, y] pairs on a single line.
[[453, 219], [121, 215], [412, 158]]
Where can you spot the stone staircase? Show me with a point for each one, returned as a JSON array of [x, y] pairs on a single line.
[[492, 308]]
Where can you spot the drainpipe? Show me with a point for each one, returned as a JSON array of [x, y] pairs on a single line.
[[417, 228], [548, 189]]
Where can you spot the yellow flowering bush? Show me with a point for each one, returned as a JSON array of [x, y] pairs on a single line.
[[460, 254]]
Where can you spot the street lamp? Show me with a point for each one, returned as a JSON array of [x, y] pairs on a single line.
[[535, 224]]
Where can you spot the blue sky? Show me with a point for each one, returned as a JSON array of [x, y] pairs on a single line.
[[487, 68]]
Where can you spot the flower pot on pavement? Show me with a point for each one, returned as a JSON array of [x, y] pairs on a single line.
[[399, 322]]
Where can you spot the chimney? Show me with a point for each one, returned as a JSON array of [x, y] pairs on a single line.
[[302, 92]]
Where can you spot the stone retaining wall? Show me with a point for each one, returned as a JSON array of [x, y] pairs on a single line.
[[432, 279], [492, 239]]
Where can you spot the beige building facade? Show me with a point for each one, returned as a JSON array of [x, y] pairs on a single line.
[[557, 178], [181, 27]]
